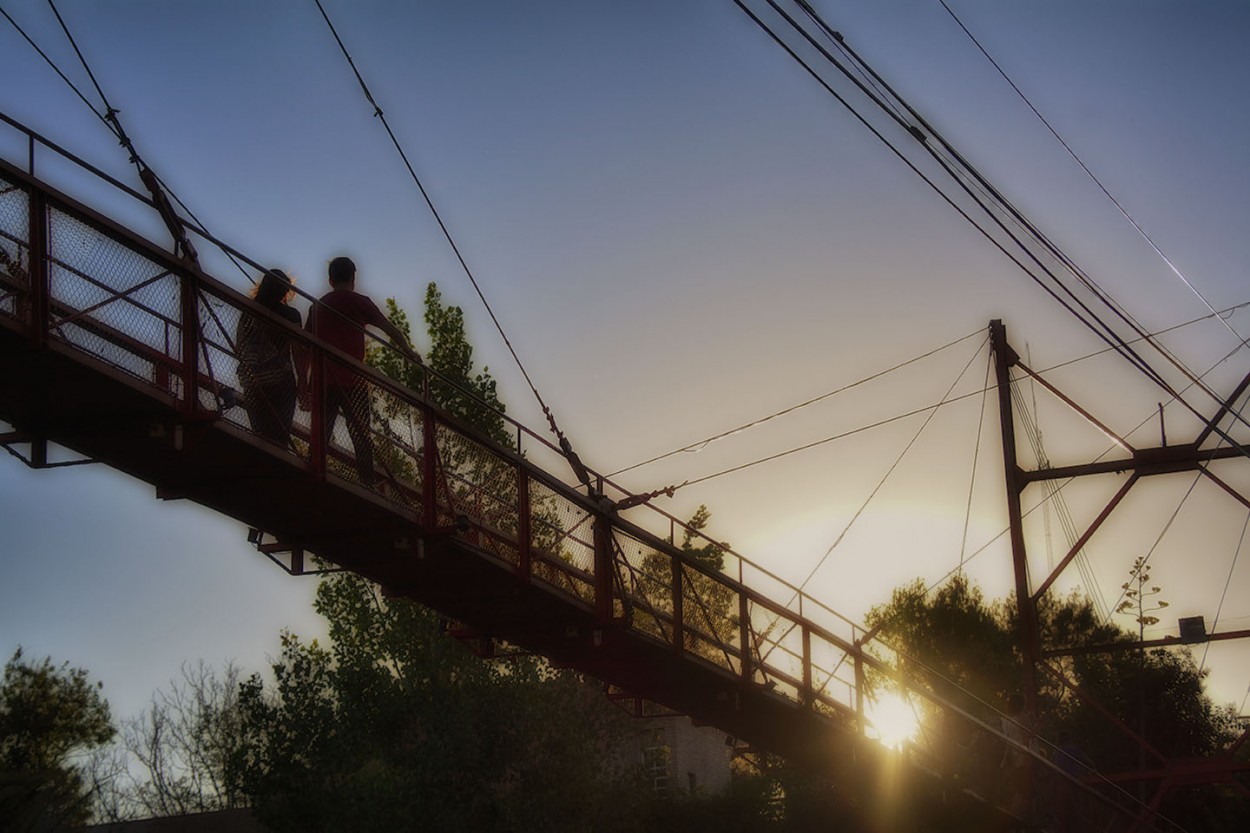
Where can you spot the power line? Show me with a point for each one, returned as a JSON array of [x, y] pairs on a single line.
[[955, 166], [1118, 205], [1227, 582], [574, 461], [1093, 321], [701, 444], [911, 413], [890, 471]]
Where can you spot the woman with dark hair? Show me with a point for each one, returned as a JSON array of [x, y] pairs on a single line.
[[266, 368]]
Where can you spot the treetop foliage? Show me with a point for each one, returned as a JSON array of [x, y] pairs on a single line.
[[955, 643], [48, 712], [49, 715]]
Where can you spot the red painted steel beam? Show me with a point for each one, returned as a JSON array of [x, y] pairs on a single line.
[[1163, 642], [1064, 398], [1080, 544], [1147, 461], [1030, 640]]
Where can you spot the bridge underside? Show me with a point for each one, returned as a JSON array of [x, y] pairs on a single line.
[[53, 393]]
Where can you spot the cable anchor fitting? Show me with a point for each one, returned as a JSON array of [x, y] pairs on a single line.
[[637, 500]]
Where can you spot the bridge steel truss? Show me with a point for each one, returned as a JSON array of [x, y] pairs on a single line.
[[115, 349], [1165, 773]]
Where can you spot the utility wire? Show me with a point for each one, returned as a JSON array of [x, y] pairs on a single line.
[[981, 183], [580, 470], [1227, 582], [701, 444], [952, 166], [890, 471], [976, 454], [1093, 322], [1063, 259], [1119, 207], [922, 410]]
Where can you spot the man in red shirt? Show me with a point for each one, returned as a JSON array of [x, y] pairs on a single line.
[[340, 318]]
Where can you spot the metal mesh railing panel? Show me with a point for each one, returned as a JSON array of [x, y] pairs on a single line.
[[398, 429], [562, 541], [373, 438], [710, 618], [776, 646], [112, 301], [216, 358], [476, 482], [270, 410], [14, 250], [218, 337], [645, 584]]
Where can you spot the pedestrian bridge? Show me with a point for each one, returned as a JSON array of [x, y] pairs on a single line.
[[122, 352]]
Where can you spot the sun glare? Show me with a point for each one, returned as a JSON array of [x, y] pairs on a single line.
[[894, 720]]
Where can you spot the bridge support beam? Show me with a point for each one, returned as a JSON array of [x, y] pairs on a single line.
[[1030, 642]]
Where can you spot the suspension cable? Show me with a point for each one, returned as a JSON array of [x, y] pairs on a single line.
[[580, 470], [53, 65]]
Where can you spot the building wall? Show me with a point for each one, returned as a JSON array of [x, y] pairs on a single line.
[[681, 758]]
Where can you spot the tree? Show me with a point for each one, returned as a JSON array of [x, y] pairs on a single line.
[[471, 396], [174, 758], [963, 647], [395, 721], [951, 641], [49, 716]]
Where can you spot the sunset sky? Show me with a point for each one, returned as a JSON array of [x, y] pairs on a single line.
[[681, 233]]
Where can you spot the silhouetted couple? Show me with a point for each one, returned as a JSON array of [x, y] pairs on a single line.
[[276, 373]]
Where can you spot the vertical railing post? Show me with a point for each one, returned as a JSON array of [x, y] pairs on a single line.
[[807, 696], [37, 269], [744, 634], [859, 686], [190, 359], [524, 526], [429, 469], [603, 567], [317, 433], [678, 592]]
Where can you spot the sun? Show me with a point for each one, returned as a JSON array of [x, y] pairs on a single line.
[[892, 718]]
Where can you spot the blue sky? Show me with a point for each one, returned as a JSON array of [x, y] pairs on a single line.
[[680, 232]]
